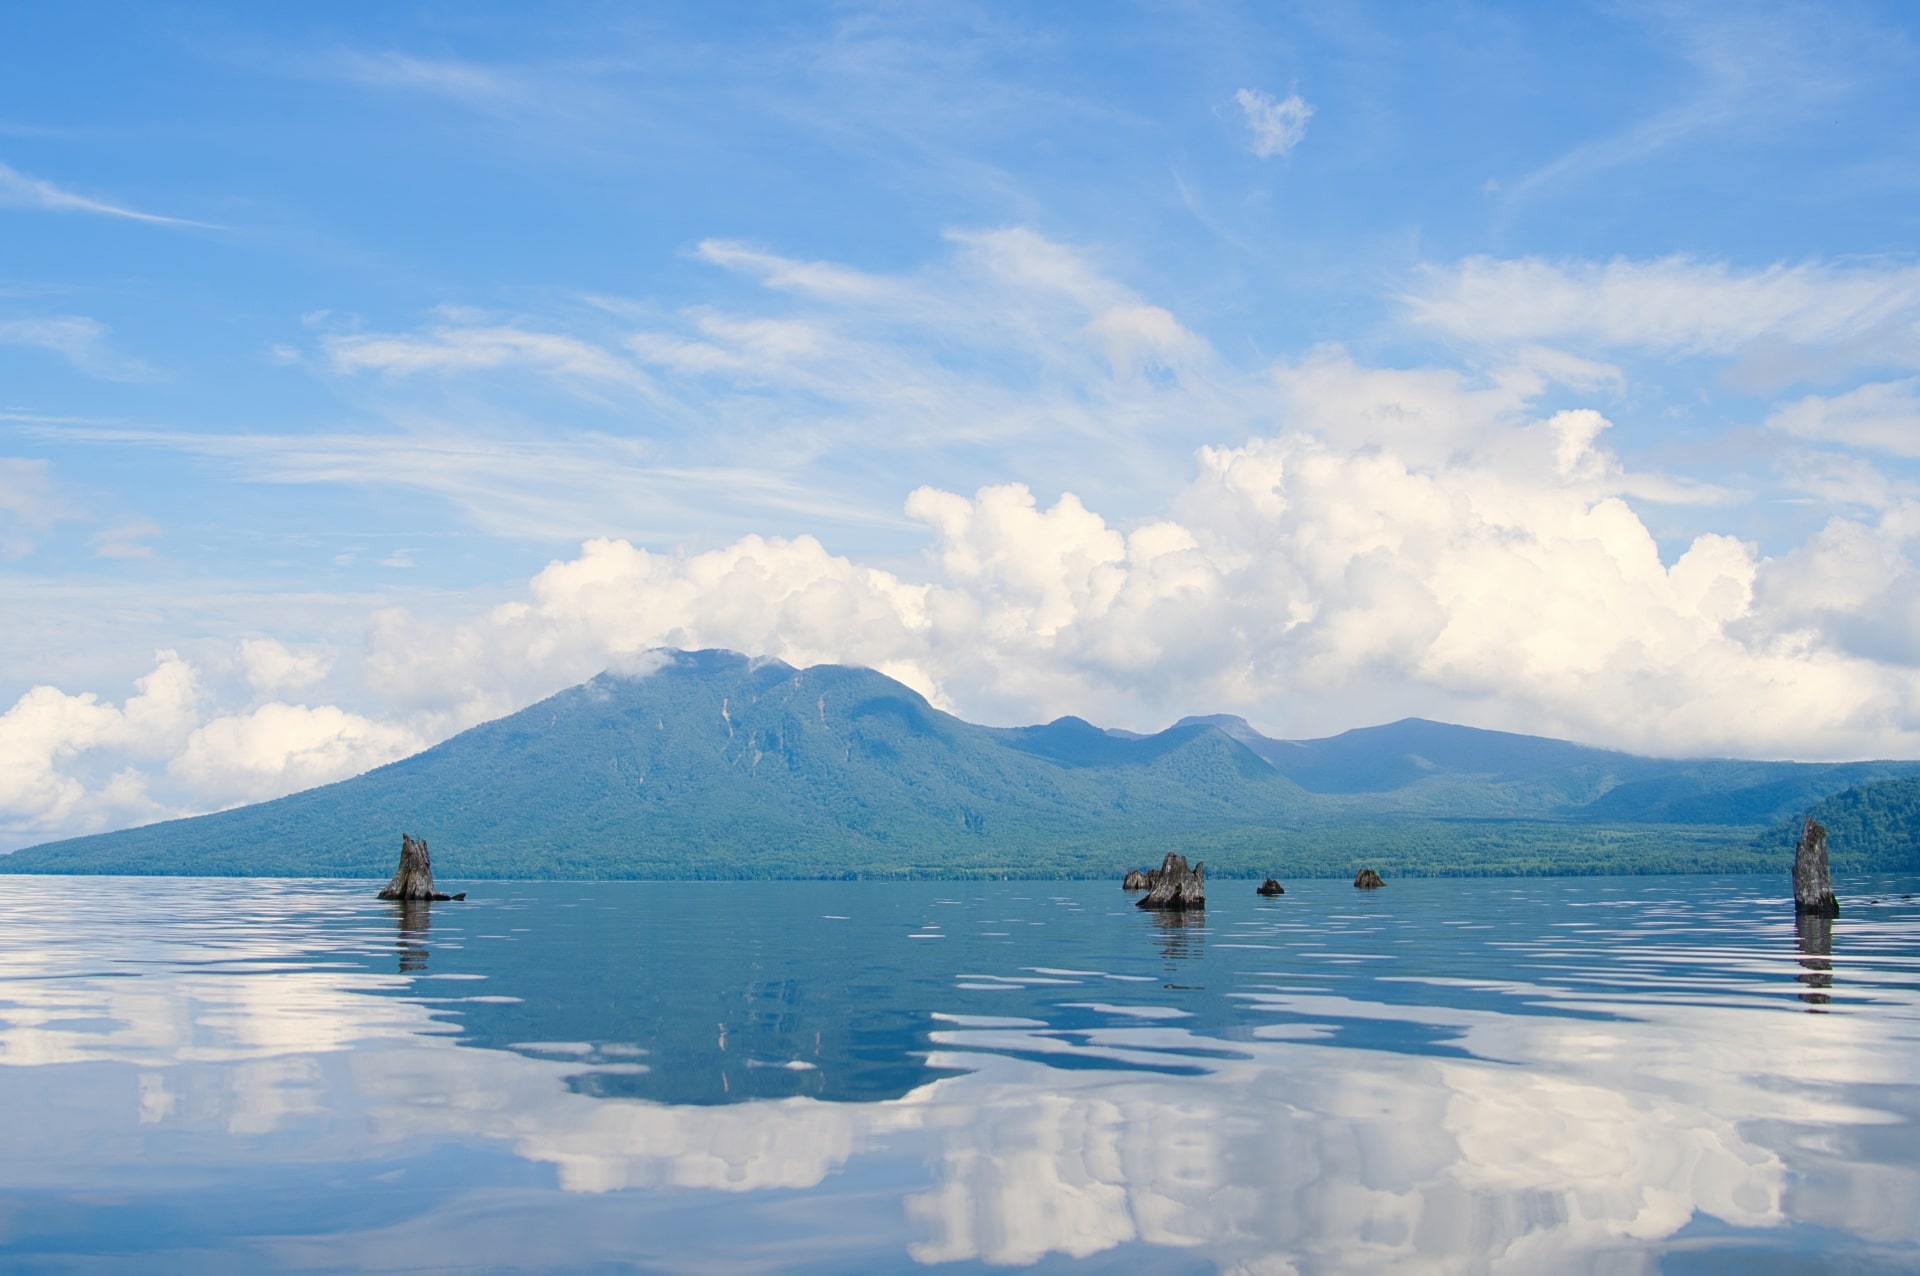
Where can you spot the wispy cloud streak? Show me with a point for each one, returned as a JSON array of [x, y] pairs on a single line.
[[79, 340], [19, 190]]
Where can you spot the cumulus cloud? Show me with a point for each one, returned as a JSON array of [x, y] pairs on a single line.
[[76, 763], [1511, 578], [279, 748], [1277, 127], [1344, 541], [46, 730], [272, 666]]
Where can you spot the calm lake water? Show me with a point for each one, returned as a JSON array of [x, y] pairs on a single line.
[[1601, 1074]]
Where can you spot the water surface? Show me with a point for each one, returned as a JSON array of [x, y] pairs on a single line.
[[1625, 1074]]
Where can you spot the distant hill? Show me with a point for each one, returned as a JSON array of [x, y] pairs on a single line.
[[1871, 826], [724, 767], [1435, 769]]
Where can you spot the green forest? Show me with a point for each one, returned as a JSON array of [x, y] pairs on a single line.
[[1870, 828]]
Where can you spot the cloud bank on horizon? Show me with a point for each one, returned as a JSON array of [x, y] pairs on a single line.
[[1548, 372]]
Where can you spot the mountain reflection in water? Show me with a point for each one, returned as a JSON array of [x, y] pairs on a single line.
[[1606, 1074]]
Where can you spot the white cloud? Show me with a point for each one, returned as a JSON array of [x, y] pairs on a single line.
[[126, 540], [272, 666], [18, 190], [456, 349], [1348, 543], [1012, 342], [1504, 582], [1755, 72], [1880, 417], [46, 729], [1277, 127], [1675, 305], [464, 82], [79, 340], [76, 763], [29, 505], [279, 748], [554, 489], [822, 279], [1507, 581]]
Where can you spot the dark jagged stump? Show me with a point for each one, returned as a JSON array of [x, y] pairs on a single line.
[[1812, 884], [1173, 887], [1134, 881], [1367, 880], [413, 880], [1271, 887]]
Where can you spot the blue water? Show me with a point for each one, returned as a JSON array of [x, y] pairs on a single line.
[[1601, 1074]]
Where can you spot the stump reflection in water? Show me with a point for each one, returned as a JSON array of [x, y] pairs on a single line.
[[1182, 935], [414, 918], [1813, 936]]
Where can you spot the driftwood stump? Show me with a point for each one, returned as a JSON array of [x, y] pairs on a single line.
[[1135, 881], [1367, 880], [1270, 887], [413, 880], [1812, 884], [1174, 887]]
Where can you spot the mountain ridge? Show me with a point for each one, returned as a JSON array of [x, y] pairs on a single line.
[[718, 765]]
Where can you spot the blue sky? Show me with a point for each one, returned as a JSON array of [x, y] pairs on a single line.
[[367, 374]]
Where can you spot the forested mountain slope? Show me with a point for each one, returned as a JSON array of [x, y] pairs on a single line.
[[725, 767], [1873, 826]]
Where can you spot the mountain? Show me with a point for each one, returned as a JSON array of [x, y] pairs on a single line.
[[724, 767], [718, 766]]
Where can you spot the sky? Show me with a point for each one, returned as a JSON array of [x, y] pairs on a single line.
[[370, 371]]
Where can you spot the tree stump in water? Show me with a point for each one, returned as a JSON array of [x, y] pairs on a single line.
[[414, 878], [1812, 884], [1175, 887], [1368, 880], [1271, 887], [1135, 881]]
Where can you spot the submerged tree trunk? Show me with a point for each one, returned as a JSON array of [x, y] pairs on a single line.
[[1812, 885], [414, 878], [1175, 887]]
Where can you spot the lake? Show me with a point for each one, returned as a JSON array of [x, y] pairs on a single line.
[[1595, 1074]]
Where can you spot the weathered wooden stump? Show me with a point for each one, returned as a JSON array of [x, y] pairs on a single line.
[[1271, 887], [1368, 880], [413, 880], [1812, 884], [1135, 881], [1174, 887]]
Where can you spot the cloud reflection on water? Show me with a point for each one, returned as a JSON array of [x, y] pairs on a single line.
[[1545, 1143]]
